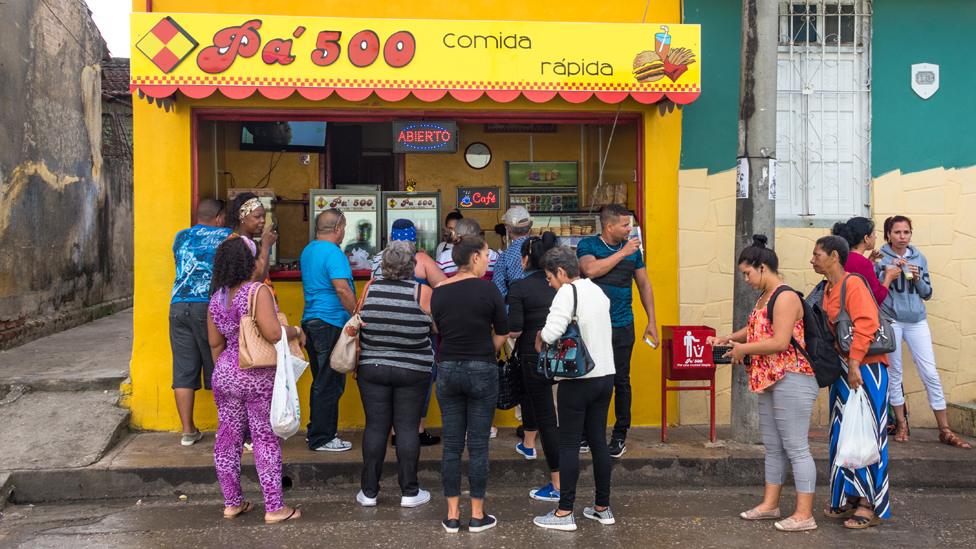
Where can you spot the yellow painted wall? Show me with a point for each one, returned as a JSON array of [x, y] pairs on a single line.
[[940, 203], [162, 194]]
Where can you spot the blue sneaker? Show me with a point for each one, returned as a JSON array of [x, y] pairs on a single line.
[[546, 493], [529, 453]]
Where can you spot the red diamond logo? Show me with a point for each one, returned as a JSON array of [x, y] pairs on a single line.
[[166, 44]]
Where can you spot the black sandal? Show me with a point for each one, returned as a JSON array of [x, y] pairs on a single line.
[[844, 511], [857, 522]]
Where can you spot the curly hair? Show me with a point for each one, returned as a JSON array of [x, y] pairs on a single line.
[[233, 265], [398, 260]]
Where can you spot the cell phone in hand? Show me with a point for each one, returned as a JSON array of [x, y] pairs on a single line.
[[651, 343]]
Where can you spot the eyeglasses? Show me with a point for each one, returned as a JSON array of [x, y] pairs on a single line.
[[339, 222]]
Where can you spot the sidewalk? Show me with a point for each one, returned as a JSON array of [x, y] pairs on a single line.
[[59, 400], [154, 464], [92, 356]]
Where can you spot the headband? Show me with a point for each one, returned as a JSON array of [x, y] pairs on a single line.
[[409, 234], [248, 208]]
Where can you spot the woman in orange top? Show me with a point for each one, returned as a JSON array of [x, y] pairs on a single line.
[[865, 490], [786, 385]]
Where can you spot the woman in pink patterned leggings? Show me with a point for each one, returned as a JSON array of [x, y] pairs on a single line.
[[243, 397]]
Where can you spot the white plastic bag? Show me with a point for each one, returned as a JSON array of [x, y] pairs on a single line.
[[286, 413], [857, 443]]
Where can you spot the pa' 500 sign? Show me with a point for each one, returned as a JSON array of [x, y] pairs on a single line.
[[425, 137]]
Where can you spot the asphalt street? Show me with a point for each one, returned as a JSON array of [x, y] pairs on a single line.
[[645, 518]]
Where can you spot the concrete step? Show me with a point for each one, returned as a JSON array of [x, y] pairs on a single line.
[[154, 464], [6, 488], [58, 430], [94, 356], [962, 417]]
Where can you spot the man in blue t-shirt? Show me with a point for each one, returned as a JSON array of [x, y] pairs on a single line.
[[330, 299], [193, 252], [613, 260]]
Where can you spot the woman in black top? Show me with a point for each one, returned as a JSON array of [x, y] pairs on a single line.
[[528, 303], [466, 310]]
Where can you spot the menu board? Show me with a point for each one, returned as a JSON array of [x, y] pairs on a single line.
[[362, 213], [423, 209], [534, 177]]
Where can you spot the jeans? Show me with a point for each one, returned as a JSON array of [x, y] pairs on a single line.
[[784, 420], [327, 384], [583, 408], [467, 392], [919, 339], [392, 397], [539, 410], [622, 340]]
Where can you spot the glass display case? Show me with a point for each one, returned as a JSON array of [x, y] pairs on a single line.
[[424, 209], [573, 227], [362, 212]]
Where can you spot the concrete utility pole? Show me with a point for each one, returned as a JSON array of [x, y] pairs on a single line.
[[755, 205]]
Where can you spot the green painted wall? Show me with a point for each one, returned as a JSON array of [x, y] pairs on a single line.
[[910, 133], [710, 124]]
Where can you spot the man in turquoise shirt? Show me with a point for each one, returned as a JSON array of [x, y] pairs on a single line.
[[614, 261], [330, 299]]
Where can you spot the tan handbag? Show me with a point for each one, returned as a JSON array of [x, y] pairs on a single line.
[[253, 350], [345, 354]]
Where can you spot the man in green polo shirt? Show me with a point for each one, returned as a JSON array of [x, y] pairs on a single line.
[[613, 261]]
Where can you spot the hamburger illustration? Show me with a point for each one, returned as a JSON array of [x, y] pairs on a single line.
[[648, 66]]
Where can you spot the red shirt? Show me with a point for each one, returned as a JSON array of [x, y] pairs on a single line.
[[857, 263]]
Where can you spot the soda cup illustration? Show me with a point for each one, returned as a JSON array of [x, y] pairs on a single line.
[[662, 42]]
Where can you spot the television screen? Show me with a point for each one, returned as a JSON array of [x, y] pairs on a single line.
[[283, 136]]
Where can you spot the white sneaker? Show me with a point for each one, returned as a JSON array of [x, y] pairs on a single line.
[[365, 501], [493, 433], [422, 497], [189, 439], [335, 445]]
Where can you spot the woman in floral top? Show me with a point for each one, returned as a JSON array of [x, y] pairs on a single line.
[[786, 385]]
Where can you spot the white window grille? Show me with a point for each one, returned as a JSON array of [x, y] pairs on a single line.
[[823, 121]]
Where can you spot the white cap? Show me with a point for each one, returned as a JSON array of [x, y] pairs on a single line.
[[517, 216]]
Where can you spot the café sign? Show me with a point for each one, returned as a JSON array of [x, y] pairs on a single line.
[[477, 198], [197, 54]]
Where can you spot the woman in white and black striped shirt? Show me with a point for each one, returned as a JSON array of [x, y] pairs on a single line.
[[394, 372]]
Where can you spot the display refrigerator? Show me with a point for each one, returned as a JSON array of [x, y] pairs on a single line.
[[363, 221], [267, 198], [423, 209]]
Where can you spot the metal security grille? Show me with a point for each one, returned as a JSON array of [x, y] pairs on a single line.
[[823, 121]]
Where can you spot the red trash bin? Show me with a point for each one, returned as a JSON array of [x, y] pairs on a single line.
[[687, 357]]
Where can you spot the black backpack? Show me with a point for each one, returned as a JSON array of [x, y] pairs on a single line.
[[819, 350]]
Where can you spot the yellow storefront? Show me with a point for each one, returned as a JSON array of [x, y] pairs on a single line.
[[538, 93]]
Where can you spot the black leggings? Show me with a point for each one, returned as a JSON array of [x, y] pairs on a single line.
[[583, 408], [538, 410]]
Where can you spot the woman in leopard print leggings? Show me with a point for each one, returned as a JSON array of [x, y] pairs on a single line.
[[243, 397]]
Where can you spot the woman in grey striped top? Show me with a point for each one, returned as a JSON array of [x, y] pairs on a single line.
[[394, 372]]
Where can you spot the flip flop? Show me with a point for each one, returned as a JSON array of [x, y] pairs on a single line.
[[246, 507], [291, 516]]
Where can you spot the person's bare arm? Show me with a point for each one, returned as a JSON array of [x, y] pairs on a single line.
[[216, 339], [265, 315], [592, 267], [425, 295], [499, 340], [786, 311], [345, 293], [432, 273], [647, 300]]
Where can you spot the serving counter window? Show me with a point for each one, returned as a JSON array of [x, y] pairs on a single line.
[[561, 172]]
